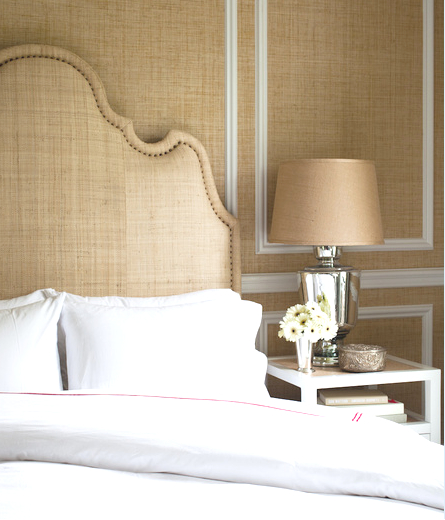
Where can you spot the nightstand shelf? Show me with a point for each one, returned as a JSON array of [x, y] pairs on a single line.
[[397, 371]]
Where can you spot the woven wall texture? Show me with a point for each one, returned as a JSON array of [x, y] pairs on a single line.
[[344, 79], [162, 61], [87, 206]]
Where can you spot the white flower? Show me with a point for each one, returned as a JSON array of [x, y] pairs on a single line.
[[312, 332], [290, 330], [303, 319], [295, 311], [329, 330], [312, 306], [307, 321], [319, 316]]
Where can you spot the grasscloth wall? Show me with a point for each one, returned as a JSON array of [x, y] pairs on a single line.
[[344, 78], [347, 79], [161, 61]]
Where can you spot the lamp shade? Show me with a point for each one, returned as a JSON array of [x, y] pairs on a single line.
[[327, 202]]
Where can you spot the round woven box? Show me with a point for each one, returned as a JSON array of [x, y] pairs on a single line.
[[361, 358]]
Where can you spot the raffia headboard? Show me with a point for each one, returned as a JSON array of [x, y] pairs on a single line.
[[89, 208]]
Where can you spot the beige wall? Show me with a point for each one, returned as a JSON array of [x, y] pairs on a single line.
[[161, 61], [344, 79]]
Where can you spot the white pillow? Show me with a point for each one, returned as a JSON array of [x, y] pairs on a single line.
[[202, 348], [121, 301], [36, 296], [29, 361]]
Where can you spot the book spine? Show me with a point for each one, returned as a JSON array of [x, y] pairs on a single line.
[[391, 407], [332, 401]]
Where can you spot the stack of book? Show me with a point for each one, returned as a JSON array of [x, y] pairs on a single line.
[[364, 400]]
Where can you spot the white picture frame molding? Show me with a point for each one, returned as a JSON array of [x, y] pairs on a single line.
[[231, 106], [425, 242], [288, 282]]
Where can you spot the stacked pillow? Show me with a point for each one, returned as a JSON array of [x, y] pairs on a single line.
[[199, 344], [29, 360]]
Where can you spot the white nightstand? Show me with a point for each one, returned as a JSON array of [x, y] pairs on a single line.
[[397, 371]]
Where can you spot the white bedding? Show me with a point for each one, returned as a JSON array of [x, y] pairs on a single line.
[[48, 491], [107, 456]]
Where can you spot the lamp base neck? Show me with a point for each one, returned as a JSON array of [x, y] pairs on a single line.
[[328, 257]]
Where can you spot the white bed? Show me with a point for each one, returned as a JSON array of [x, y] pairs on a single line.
[[130, 386]]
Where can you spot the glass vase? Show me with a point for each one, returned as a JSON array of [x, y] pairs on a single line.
[[304, 355]]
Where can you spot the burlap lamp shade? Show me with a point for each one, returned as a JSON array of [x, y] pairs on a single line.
[[327, 202]]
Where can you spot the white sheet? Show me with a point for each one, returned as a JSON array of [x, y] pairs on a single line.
[[133, 442]]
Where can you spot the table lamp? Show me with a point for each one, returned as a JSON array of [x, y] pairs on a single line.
[[328, 203]]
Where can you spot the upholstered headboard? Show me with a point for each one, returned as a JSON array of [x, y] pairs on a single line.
[[89, 208]]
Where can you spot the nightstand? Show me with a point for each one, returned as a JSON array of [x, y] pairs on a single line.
[[397, 370]]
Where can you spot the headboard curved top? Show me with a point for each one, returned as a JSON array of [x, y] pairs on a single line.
[[86, 206]]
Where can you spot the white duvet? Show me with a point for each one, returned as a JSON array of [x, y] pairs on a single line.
[[101, 455]]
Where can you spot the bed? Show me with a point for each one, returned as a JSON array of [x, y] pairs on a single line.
[[130, 386]]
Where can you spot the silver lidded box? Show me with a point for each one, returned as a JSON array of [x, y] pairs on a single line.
[[361, 358]]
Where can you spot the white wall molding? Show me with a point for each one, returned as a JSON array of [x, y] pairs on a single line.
[[407, 311], [398, 278], [425, 312], [428, 122], [260, 121], [379, 279], [269, 318], [425, 242], [269, 283], [231, 107]]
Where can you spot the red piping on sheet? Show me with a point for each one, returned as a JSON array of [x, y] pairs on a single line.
[[356, 417]]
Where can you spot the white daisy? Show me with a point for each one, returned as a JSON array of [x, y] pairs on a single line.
[[290, 330], [312, 306], [319, 316], [303, 319], [295, 311], [329, 330], [308, 321], [312, 331]]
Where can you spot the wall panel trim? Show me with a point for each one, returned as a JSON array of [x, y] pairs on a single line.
[[425, 242], [231, 106], [378, 279], [260, 124]]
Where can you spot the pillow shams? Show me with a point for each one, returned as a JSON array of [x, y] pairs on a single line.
[[121, 301], [190, 349], [29, 360]]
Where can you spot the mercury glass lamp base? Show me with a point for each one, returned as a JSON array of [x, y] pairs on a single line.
[[336, 288], [325, 354], [320, 361]]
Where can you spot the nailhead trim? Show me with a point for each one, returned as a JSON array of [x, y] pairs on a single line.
[[179, 143]]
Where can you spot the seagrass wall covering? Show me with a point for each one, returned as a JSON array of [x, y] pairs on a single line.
[[341, 78], [354, 80], [161, 61]]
